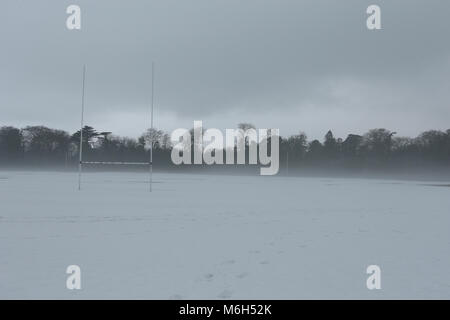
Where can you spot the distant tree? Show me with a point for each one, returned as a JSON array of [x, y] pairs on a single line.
[[155, 135], [166, 143], [296, 146], [405, 150], [402, 144], [88, 133], [44, 143], [124, 149], [11, 147], [330, 145], [378, 142], [448, 143], [434, 144], [315, 150], [351, 145], [245, 126]]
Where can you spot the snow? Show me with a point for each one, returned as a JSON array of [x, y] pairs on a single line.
[[221, 237]]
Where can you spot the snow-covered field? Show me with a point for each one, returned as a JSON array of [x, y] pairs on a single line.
[[219, 237]]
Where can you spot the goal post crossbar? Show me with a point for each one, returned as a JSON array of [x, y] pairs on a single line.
[[116, 163]]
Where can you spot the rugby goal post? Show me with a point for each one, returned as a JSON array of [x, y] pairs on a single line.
[[81, 162]]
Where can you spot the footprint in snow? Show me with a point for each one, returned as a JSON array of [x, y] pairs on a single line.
[[242, 275], [209, 276], [225, 294]]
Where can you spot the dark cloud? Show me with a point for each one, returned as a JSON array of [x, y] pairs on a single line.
[[297, 65]]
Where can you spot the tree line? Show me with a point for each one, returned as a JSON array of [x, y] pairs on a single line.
[[43, 146]]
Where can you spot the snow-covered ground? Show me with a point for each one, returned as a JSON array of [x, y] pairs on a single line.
[[218, 237]]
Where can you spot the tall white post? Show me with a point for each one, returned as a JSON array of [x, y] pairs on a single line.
[[151, 129], [81, 131]]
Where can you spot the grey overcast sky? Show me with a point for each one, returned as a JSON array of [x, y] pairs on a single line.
[[300, 65]]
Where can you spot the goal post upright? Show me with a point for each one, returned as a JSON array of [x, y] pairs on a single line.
[[81, 130], [151, 127]]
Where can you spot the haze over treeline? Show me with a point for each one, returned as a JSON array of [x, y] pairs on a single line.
[[377, 148]]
